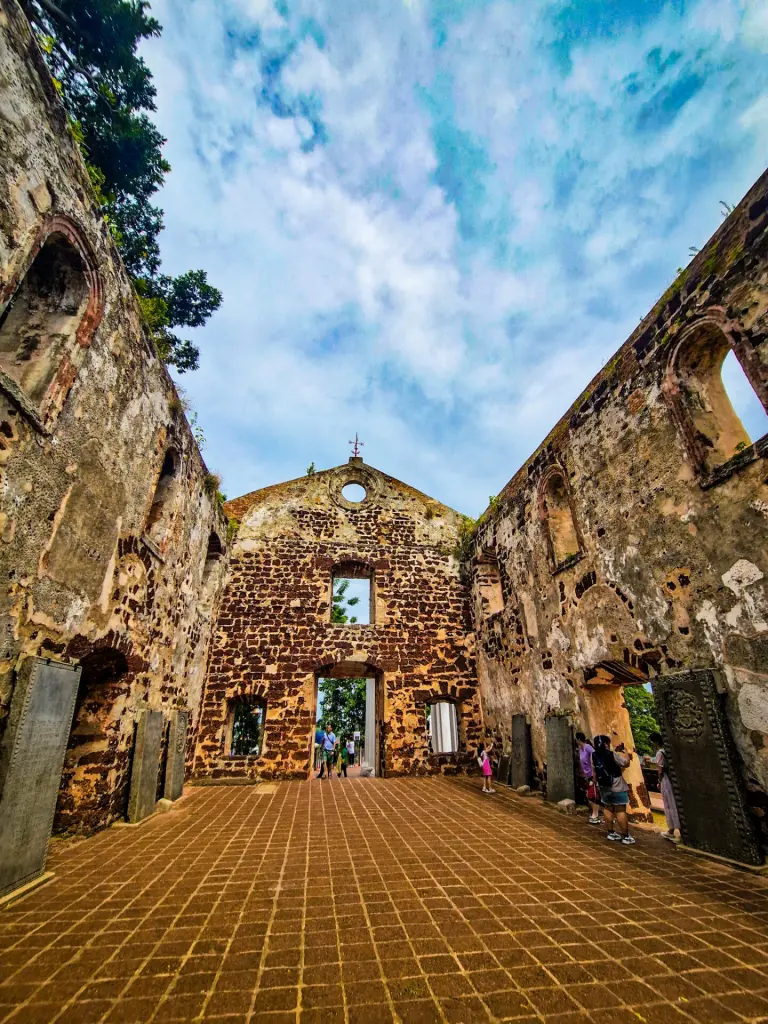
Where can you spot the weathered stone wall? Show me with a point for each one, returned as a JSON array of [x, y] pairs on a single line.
[[274, 635], [102, 568], [633, 541]]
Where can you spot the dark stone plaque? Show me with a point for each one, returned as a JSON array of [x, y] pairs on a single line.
[[31, 761], [146, 764], [703, 768], [560, 775], [521, 751], [177, 748], [502, 770]]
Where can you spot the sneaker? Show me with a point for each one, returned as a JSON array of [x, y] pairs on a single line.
[[615, 837], [627, 840], [491, 790], [594, 821]]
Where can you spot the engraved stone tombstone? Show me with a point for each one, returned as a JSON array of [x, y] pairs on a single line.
[[146, 764], [502, 770], [31, 761], [560, 775], [177, 748], [521, 752], [702, 766]]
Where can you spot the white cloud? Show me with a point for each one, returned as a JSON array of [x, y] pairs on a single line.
[[352, 299]]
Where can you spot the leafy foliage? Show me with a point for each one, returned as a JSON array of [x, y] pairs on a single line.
[[343, 700], [90, 47], [642, 716], [343, 705], [341, 603]]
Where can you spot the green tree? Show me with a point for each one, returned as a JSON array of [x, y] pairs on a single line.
[[642, 716], [341, 603], [91, 50], [342, 704]]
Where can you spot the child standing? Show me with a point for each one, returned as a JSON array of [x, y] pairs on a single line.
[[485, 766]]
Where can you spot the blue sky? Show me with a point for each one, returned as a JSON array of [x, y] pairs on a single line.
[[433, 221]]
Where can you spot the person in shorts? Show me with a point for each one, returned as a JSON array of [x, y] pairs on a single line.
[[586, 750], [607, 767], [329, 750]]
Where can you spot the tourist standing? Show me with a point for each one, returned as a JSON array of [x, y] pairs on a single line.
[[667, 794], [351, 750], [485, 766], [607, 767], [329, 750], [586, 750], [319, 737]]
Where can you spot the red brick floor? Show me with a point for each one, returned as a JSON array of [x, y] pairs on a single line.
[[365, 901]]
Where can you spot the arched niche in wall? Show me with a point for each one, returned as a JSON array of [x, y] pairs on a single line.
[[162, 501], [52, 309], [712, 427], [487, 592], [213, 555], [90, 778], [557, 515]]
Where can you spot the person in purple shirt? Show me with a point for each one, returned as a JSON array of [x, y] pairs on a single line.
[[586, 750]]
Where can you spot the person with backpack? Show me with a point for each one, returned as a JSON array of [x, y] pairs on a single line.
[[608, 766]]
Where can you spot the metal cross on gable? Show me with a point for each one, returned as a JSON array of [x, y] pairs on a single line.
[[357, 444]]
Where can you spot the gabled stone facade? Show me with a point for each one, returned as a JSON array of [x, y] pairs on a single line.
[[274, 637]]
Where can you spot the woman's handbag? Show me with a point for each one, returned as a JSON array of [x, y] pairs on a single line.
[[593, 793]]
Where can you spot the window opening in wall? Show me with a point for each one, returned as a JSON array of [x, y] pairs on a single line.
[[560, 522], [746, 405], [41, 321], [341, 704], [163, 492], [214, 554], [354, 492], [247, 718], [442, 727], [721, 411], [352, 595]]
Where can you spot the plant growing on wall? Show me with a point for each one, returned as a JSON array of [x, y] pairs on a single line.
[[90, 48]]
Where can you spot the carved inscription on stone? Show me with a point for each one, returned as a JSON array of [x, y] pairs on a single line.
[[31, 760], [561, 783], [177, 746], [502, 772], [146, 764], [521, 751], [702, 767]]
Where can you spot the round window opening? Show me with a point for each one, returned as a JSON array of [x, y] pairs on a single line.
[[353, 492]]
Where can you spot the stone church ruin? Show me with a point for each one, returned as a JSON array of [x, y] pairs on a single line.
[[143, 624]]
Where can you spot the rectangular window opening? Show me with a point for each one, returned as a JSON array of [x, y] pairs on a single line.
[[442, 727], [247, 719], [352, 601]]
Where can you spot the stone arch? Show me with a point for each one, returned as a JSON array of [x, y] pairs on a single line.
[[693, 387], [90, 783], [49, 310]]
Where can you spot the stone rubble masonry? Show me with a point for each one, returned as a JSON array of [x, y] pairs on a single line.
[[274, 635], [669, 566], [79, 469]]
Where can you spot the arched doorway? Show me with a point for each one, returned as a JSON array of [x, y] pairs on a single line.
[[91, 782], [604, 689], [363, 716]]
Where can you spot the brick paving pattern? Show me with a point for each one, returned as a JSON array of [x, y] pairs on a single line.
[[362, 901]]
